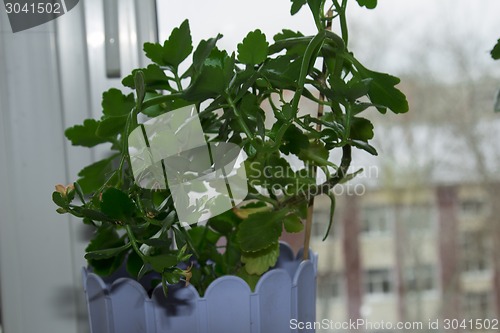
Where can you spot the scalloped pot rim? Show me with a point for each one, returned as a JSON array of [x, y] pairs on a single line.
[[288, 265]]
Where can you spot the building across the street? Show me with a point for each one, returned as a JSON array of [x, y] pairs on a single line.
[[409, 255]]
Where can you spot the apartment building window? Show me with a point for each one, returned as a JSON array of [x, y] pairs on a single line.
[[329, 285], [376, 220], [420, 278], [417, 218], [377, 281], [477, 305], [472, 207], [474, 253]]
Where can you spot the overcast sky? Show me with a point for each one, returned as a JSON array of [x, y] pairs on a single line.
[[393, 37], [419, 37]]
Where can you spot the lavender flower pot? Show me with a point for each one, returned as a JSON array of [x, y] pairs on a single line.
[[286, 292]]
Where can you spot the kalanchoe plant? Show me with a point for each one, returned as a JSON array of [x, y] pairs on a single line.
[[140, 227]]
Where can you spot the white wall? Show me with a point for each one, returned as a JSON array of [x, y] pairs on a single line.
[[50, 78], [36, 263]]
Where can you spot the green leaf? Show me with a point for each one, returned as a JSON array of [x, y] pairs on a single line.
[[105, 238], [164, 107], [296, 6], [58, 199], [116, 204], [294, 141], [286, 34], [244, 212], [364, 146], [274, 170], [370, 4], [85, 135], [111, 126], [175, 49], [157, 109], [115, 103], [217, 71], [158, 243], [201, 234], [260, 230], [316, 9], [203, 50], [179, 45], [180, 237], [79, 192], [253, 114], [295, 45], [495, 52], [154, 51], [361, 129], [383, 92], [331, 195], [144, 269], [162, 262], [282, 71], [284, 115], [106, 253], [357, 89], [92, 177], [154, 78], [95, 215], [224, 223], [292, 223], [140, 86], [360, 107], [61, 210], [223, 226], [134, 264], [316, 153], [181, 254], [287, 112], [254, 48], [172, 276], [351, 176], [258, 263], [164, 285]]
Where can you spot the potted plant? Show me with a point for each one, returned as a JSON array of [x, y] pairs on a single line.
[[167, 205]]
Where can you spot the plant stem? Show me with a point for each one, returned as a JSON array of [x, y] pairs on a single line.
[[133, 241], [177, 81], [188, 240], [309, 54], [261, 197], [307, 232], [341, 9], [160, 99], [310, 206], [240, 120]]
